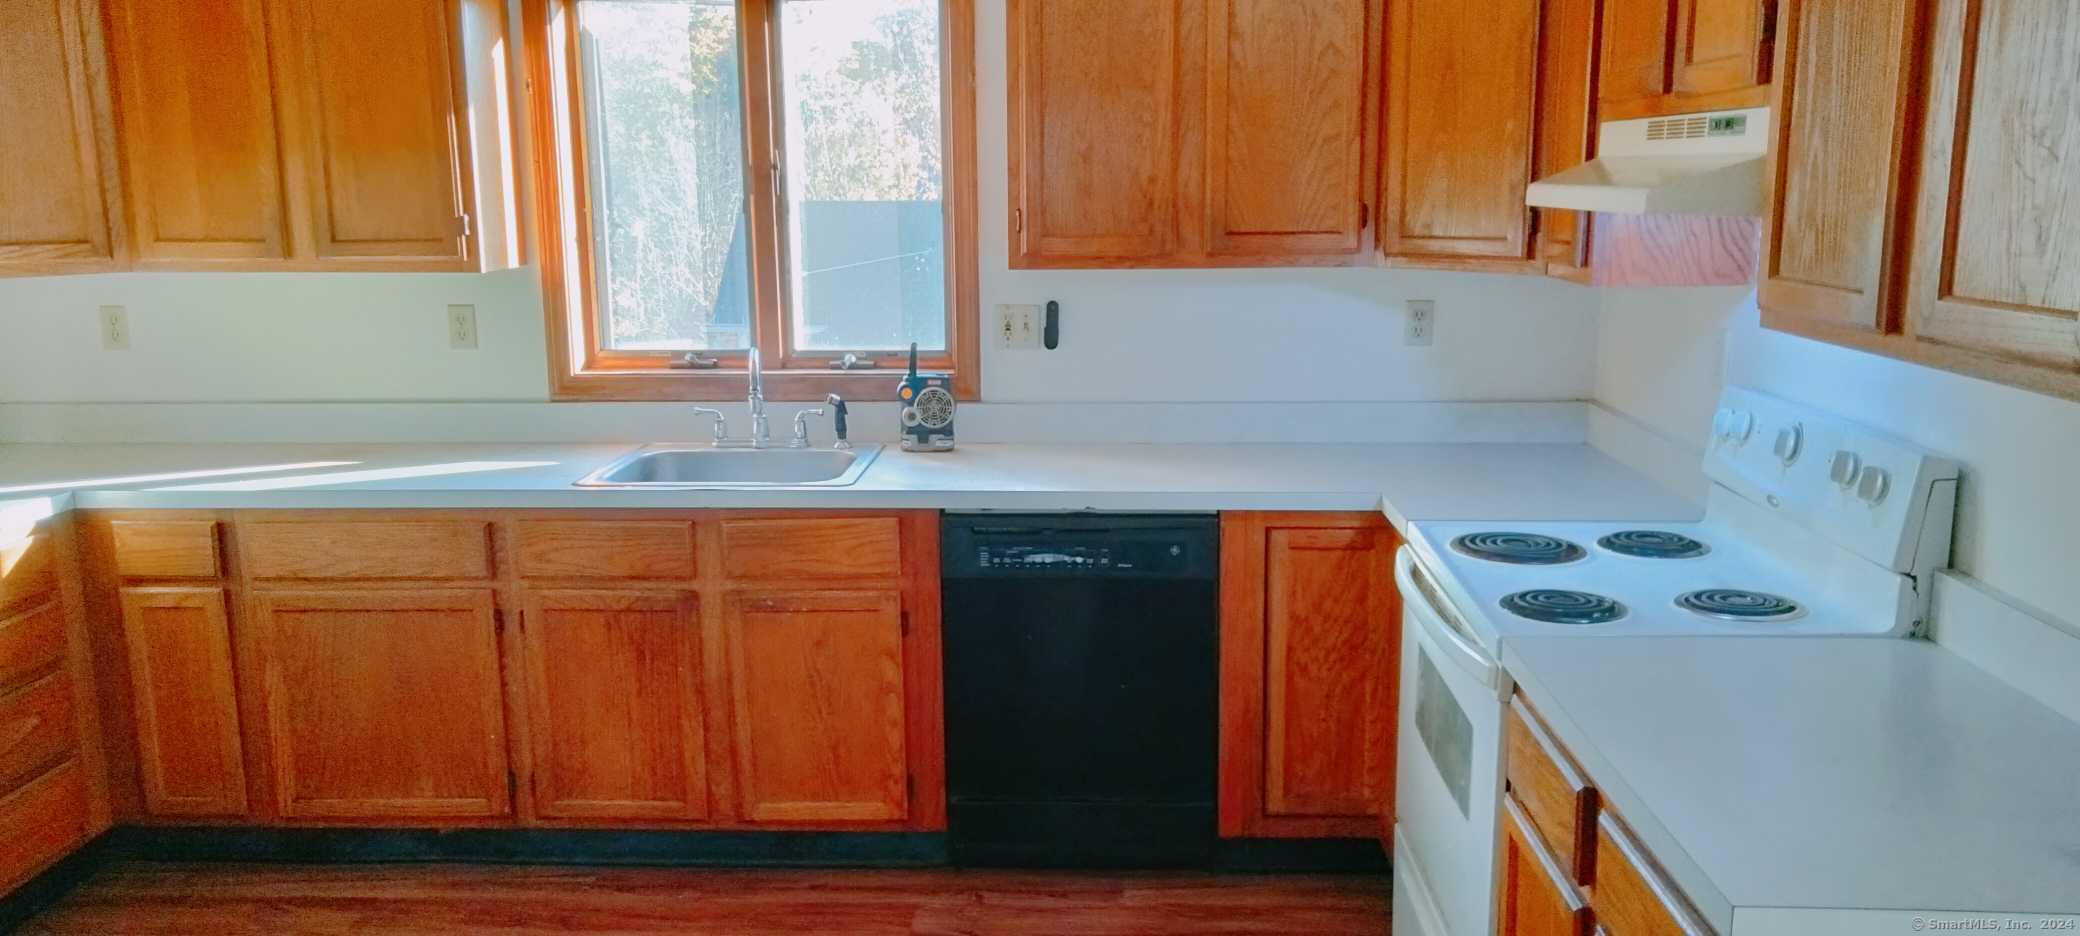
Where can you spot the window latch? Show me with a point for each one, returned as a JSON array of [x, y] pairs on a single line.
[[852, 361], [694, 360]]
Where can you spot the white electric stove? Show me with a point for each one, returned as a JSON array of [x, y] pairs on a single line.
[[1813, 526]]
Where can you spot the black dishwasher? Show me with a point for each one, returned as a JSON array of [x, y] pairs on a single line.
[[1081, 689]]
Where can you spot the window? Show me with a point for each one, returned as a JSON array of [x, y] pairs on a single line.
[[790, 176]]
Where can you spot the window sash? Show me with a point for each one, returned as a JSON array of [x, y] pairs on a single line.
[[583, 368]]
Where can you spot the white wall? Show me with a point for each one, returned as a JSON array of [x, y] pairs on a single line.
[[1145, 336], [2020, 505]]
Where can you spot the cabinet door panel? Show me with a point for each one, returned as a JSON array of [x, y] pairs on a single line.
[[1567, 35], [817, 680], [384, 703], [614, 703], [1462, 88], [188, 751], [1287, 104], [1722, 45], [1532, 892], [1094, 114], [196, 103], [1636, 55], [1844, 101], [382, 153], [1996, 268], [53, 210]]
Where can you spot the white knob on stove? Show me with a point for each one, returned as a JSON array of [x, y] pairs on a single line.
[[1843, 469], [1790, 441], [1872, 484]]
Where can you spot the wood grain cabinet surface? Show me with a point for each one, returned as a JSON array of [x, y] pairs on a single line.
[[1683, 56], [1534, 896], [190, 756], [1310, 625], [55, 198]]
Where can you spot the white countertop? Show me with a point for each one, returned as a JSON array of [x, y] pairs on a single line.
[[1406, 481], [1873, 774]]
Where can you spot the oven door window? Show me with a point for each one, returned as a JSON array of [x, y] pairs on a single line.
[[1446, 731]]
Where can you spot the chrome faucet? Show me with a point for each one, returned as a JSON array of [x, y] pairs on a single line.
[[761, 431]]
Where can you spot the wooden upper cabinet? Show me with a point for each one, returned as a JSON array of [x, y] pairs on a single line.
[[54, 198], [379, 142], [1289, 108], [1845, 102], [614, 704], [1995, 264], [1682, 56], [1094, 112], [190, 759], [1309, 625], [819, 712], [1462, 78], [1567, 36], [383, 704], [195, 100]]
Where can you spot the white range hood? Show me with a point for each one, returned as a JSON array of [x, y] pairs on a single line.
[[1690, 164]]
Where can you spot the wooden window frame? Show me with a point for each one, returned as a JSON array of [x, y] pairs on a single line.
[[580, 370]]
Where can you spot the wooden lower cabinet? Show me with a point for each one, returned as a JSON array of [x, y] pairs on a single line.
[[384, 704], [614, 704], [189, 755], [1310, 643], [1533, 893], [818, 705]]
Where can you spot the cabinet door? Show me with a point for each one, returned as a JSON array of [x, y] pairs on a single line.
[[188, 752], [53, 208], [384, 703], [1462, 81], [1567, 34], [1287, 104], [1996, 258], [196, 102], [1845, 100], [817, 682], [1723, 45], [614, 705], [1309, 644], [1636, 56], [1532, 893], [378, 153], [1094, 114]]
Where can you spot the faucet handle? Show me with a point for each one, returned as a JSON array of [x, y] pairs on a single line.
[[801, 426], [721, 422]]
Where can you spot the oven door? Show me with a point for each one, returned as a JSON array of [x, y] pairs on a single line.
[[1448, 782]]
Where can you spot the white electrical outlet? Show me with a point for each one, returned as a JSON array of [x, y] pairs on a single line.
[[1422, 323], [1018, 326], [462, 327], [115, 328]]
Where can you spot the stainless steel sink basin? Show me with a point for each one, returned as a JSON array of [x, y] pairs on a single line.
[[703, 467]]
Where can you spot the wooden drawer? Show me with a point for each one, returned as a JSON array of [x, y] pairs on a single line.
[[367, 549], [834, 548], [1533, 895], [614, 549], [31, 643], [1556, 797], [37, 730], [1630, 896], [42, 822], [166, 548], [27, 572]]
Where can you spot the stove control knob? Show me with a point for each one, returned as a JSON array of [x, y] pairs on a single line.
[[1790, 441], [1843, 469], [1872, 484]]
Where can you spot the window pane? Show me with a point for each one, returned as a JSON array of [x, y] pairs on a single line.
[[867, 235], [664, 129]]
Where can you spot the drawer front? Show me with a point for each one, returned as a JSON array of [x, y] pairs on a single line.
[[166, 548], [36, 730], [27, 572], [1556, 797], [1630, 896], [42, 822], [836, 548], [1533, 895], [367, 549], [31, 643], [608, 549]]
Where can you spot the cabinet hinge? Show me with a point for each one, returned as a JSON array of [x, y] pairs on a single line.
[[1364, 216], [1018, 220], [498, 622], [905, 618], [512, 788], [462, 226]]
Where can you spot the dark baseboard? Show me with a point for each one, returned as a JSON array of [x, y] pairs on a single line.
[[52, 885], [534, 846], [1353, 855]]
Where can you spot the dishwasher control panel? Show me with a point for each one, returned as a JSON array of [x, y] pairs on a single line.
[[1138, 546]]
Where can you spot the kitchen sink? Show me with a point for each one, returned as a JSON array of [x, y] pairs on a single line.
[[706, 467]]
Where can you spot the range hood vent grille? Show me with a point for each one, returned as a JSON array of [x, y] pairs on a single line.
[[1687, 127]]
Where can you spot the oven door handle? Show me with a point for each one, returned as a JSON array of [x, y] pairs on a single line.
[[1467, 654]]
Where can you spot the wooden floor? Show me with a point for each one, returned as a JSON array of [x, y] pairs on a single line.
[[381, 900]]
